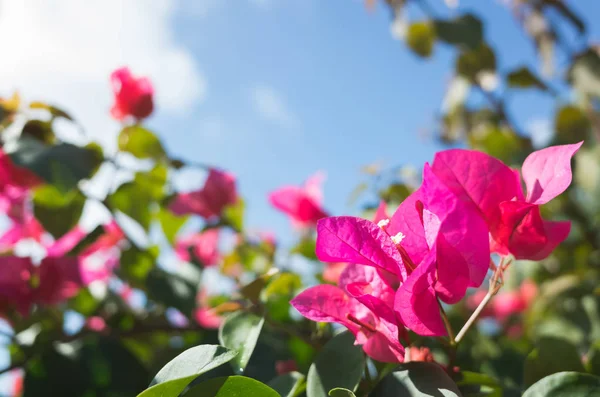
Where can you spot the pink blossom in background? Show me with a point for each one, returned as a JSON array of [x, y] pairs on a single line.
[[15, 176], [205, 316], [218, 192], [133, 96], [23, 284], [494, 190], [95, 323], [285, 366], [15, 202], [303, 204], [421, 354], [506, 303], [363, 303], [204, 245]]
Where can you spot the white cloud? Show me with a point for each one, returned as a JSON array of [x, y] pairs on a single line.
[[272, 107], [63, 52]]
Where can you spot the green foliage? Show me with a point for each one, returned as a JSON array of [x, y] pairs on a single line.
[[231, 386], [173, 378], [339, 364], [525, 78], [563, 384], [466, 31], [420, 38], [240, 332], [171, 290], [141, 143], [58, 212], [62, 165], [418, 379], [551, 355], [288, 385]]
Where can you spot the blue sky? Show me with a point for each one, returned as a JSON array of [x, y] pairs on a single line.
[[346, 93]]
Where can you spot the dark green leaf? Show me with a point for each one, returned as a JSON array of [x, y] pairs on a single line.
[[571, 125], [418, 379], [240, 331], [550, 356], [253, 289], [420, 38], [565, 384], [340, 364], [341, 392], [62, 165], [288, 385], [58, 212], [136, 264], [524, 78], [40, 130], [468, 379], [141, 143], [472, 62], [173, 378], [231, 386], [465, 31], [584, 73], [593, 359], [171, 290], [564, 9]]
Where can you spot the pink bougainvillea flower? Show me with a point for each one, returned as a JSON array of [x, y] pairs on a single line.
[[494, 191], [95, 323], [15, 176], [133, 95], [303, 204], [333, 270], [362, 303], [218, 192], [23, 284], [204, 245], [506, 303], [426, 255], [98, 260], [15, 203]]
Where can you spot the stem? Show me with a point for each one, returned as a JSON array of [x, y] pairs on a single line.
[[447, 324], [474, 316]]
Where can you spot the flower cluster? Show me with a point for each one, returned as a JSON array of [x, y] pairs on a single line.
[[436, 245]]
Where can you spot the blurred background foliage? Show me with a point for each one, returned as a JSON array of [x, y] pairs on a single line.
[[148, 312]]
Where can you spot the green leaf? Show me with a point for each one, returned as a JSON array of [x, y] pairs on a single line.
[[173, 378], [40, 130], [341, 392], [593, 361], [233, 215], [464, 31], [571, 125], [288, 385], [253, 289], [306, 247], [466, 379], [53, 110], [170, 223], [472, 62], [231, 386], [136, 264], [134, 202], [565, 384], [58, 212], [524, 78], [171, 290], [240, 331], [141, 143], [584, 73], [153, 181], [420, 38], [418, 379], [550, 356], [339, 364], [62, 165]]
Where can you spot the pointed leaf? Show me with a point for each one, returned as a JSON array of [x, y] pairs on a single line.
[[418, 379], [172, 379], [140, 142], [339, 364], [288, 385], [231, 386], [240, 332], [565, 384]]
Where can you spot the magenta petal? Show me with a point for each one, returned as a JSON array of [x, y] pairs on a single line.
[[547, 172], [556, 232], [355, 240], [416, 302], [379, 285], [453, 273], [325, 303], [477, 179], [67, 242], [406, 220], [465, 233], [384, 347]]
